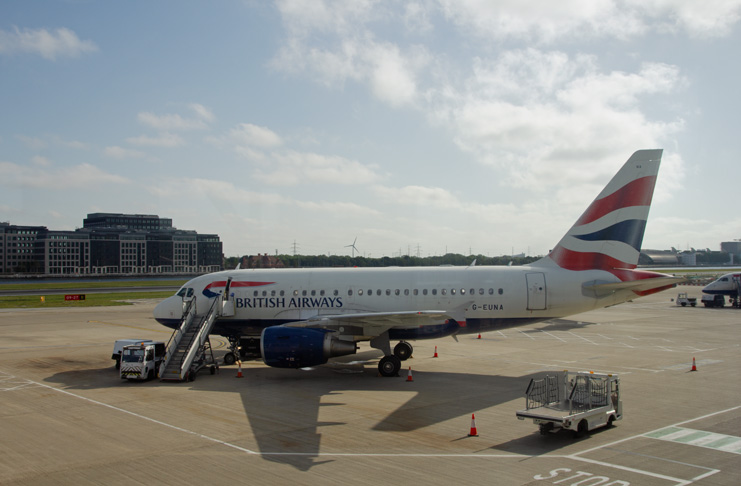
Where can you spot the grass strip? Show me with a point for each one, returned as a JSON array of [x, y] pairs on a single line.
[[51, 285], [91, 300]]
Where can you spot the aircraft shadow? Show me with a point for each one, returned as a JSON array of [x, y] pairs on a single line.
[[283, 407], [561, 325]]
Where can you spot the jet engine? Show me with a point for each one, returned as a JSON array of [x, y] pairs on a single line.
[[294, 347]]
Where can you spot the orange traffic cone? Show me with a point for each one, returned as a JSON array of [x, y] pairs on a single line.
[[694, 367], [479, 336], [473, 432], [435, 355], [239, 372], [409, 376]]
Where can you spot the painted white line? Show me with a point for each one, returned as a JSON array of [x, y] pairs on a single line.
[[553, 335], [580, 337]]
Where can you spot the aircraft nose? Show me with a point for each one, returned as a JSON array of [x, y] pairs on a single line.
[[168, 311]]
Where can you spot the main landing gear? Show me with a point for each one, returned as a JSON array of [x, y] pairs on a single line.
[[390, 364]]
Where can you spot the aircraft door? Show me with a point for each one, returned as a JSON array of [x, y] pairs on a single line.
[[536, 296]]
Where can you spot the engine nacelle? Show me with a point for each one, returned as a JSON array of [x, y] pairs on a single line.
[[295, 347]]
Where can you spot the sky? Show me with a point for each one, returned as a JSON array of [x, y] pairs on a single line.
[[407, 127]]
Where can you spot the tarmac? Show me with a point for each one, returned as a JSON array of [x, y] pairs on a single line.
[[66, 417]]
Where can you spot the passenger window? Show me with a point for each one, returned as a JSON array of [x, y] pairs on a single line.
[[336, 292], [388, 292], [406, 291], [416, 292], [313, 293], [255, 293], [303, 292], [282, 293], [452, 291], [349, 293], [360, 292], [295, 292], [434, 291], [370, 292], [272, 293], [264, 293], [396, 292], [491, 291], [424, 291], [501, 291], [378, 292], [481, 291], [321, 292], [444, 292]]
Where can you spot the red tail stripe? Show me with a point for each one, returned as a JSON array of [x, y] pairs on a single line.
[[577, 261], [636, 193]]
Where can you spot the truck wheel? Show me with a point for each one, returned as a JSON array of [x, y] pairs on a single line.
[[684, 304], [611, 421], [213, 370], [582, 429], [229, 359], [150, 375]]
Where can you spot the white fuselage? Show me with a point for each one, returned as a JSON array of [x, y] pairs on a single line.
[[478, 298]]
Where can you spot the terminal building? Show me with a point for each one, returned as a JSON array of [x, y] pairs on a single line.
[[109, 243]]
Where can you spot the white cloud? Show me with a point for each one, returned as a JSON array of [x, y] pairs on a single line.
[[249, 135], [34, 143], [202, 112], [168, 140], [290, 168], [537, 116], [61, 42], [40, 161], [117, 152], [80, 176]]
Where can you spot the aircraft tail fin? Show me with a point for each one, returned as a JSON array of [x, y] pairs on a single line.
[[609, 234]]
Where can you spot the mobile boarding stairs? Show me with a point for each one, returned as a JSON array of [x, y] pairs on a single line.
[[189, 348]]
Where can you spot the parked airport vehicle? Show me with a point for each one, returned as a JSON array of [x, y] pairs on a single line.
[[303, 317], [710, 300], [578, 401], [142, 361], [684, 300], [119, 345], [728, 284]]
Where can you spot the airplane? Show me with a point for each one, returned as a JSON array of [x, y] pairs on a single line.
[[728, 284], [298, 318]]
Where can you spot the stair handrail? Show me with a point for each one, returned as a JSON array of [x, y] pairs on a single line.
[[205, 328], [188, 313]]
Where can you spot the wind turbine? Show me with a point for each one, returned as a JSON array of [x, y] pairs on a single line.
[[354, 249]]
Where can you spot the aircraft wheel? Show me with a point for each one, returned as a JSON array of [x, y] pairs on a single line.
[[389, 366], [403, 350], [229, 359]]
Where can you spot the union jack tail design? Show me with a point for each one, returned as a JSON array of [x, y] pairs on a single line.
[[609, 234]]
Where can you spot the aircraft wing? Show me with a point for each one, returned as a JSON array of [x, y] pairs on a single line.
[[373, 323]]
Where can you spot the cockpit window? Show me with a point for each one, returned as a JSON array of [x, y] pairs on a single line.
[[185, 292], [724, 279]]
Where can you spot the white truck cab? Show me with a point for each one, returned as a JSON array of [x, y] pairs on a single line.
[[142, 361]]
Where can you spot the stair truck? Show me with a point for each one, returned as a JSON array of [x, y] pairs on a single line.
[[142, 361], [579, 401]]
